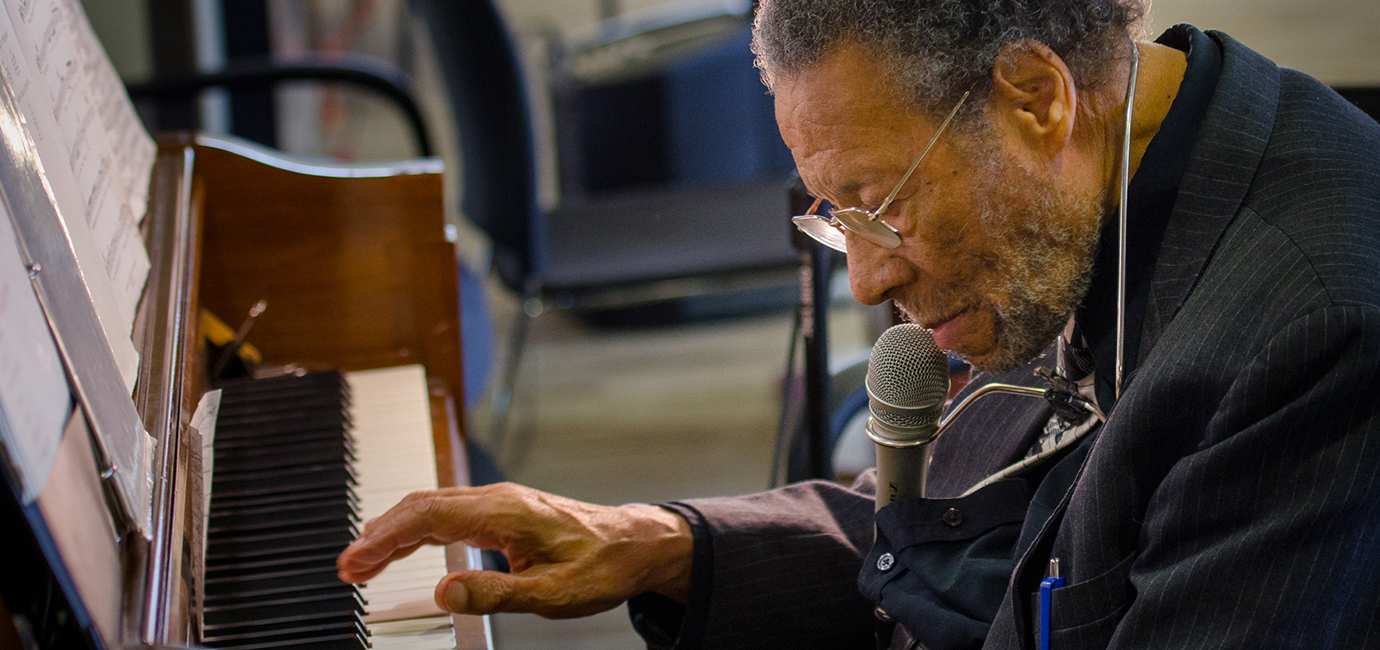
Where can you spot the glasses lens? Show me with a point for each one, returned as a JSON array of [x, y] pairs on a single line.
[[874, 230], [819, 229]]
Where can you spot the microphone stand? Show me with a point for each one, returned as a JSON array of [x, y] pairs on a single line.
[[816, 267]]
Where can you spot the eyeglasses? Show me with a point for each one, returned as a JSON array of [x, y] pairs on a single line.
[[868, 225]]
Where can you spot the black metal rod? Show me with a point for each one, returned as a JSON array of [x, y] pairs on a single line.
[[817, 263], [353, 69], [817, 365]]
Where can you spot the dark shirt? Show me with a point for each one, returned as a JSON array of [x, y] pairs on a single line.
[[664, 623], [1152, 191]]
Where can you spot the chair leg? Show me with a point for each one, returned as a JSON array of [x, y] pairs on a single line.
[[502, 403]]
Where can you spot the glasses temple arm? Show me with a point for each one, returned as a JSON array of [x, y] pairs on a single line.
[[935, 138]]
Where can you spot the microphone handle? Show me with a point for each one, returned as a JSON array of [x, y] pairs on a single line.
[[901, 472]]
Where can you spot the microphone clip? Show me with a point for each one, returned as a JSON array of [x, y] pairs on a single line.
[[1069, 405]]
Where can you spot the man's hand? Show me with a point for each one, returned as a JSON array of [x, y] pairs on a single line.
[[568, 558]]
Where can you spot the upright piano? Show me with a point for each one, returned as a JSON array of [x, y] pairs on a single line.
[[359, 283]]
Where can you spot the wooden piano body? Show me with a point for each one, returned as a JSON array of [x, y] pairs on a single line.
[[357, 273]]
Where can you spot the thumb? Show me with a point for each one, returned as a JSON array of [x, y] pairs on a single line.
[[488, 592]]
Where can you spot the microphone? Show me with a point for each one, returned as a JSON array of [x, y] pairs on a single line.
[[907, 383]]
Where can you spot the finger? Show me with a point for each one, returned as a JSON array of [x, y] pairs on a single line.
[[489, 592], [414, 521], [354, 576], [542, 593], [426, 517]]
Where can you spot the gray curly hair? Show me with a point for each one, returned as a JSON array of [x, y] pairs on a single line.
[[938, 48]]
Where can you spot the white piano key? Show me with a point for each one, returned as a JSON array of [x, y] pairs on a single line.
[[432, 633], [395, 456]]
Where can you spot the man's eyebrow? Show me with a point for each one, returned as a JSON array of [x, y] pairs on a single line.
[[848, 188]]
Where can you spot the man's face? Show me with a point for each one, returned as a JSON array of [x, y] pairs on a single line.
[[996, 247]]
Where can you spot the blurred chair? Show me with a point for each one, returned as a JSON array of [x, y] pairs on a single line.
[[379, 77], [1366, 98], [672, 174]]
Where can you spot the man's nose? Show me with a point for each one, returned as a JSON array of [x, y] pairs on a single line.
[[872, 271]]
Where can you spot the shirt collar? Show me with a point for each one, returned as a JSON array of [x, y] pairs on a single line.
[[1151, 196]]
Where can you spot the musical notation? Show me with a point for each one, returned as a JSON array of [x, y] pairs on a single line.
[[94, 154]]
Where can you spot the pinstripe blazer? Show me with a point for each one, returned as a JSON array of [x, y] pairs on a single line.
[[1233, 497]]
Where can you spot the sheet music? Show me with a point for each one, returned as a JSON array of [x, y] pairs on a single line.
[[62, 120], [204, 421], [133, 147], [33, 389], [201, 433]]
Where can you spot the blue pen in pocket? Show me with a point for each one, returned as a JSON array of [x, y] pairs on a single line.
[[1047, 587]]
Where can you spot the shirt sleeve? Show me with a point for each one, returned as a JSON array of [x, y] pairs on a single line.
[[777, 569], [663, 622]]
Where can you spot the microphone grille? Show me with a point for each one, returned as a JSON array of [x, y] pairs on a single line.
[[908, 370]]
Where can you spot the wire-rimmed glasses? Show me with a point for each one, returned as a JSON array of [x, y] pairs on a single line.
[[866, 224]]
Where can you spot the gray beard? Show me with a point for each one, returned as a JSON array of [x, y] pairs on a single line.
[[1044, 263]]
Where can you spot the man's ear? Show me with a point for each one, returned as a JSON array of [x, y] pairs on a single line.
[[1033, 93]]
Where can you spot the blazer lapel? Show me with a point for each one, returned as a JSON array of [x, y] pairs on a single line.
[[1221, 168]]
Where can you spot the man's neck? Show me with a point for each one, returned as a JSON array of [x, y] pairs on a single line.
[[1160, 73]]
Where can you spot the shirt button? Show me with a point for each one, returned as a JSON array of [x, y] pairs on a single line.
[[952, 517], [885, 562]]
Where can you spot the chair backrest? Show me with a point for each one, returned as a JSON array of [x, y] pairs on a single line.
[[484, 82], [1366, 98]]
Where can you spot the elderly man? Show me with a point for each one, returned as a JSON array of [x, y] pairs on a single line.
[[1227, 491]]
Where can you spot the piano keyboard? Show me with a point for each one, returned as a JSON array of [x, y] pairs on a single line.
[[299, 463]]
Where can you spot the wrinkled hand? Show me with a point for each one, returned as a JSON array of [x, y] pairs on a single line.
[[568, 558]]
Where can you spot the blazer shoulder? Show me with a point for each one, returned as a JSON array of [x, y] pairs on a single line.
[[1318, 184]]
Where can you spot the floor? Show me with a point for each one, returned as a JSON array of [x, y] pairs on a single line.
[[643, 415]]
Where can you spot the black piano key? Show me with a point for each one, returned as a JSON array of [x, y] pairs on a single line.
[[282, 426], [280, 402], [283, 581], [337, 642], [331, 498], [329, 590], [283, 507], [288, 472], [239, 387], [263, 628], [318, 560], [233, 559], [231, 556], [284, 464], [229, 611], [247, 449], [248, 401], [244, 536], [230, 518], [224, 501], [280, 481], [316, 636], [252, 545], [244, 442], [286, 528], [283, 422], [326, 447]]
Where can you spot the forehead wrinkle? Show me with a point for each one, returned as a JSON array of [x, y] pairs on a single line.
[[848, 136], [841, 174]]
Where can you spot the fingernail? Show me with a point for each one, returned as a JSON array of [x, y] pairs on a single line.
[[456, 596]]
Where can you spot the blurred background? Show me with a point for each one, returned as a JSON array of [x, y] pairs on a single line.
[[617, 193]]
